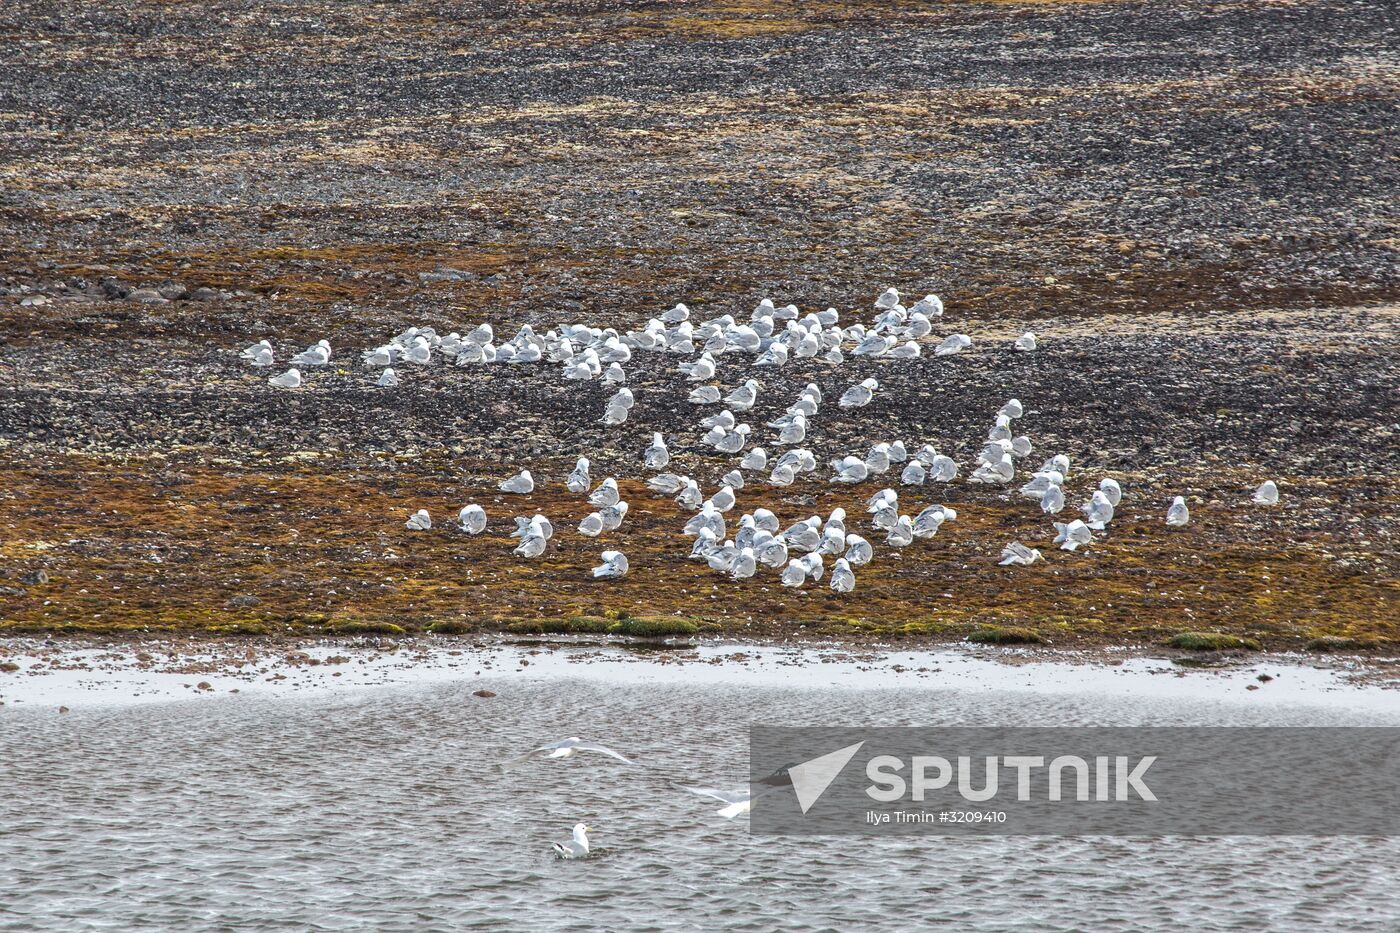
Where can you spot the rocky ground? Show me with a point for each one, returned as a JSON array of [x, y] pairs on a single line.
[[1192, 203]]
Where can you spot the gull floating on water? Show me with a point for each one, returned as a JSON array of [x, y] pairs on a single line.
[[1178, 515], [419, 521], [1267, 493], [577, 847]]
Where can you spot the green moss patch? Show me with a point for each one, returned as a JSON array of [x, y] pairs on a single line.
[[1213, 641], [1005, 635]]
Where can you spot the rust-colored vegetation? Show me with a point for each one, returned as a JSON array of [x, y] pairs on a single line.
[[158, 544]]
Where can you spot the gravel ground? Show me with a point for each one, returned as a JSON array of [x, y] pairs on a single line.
[[1192, 203]]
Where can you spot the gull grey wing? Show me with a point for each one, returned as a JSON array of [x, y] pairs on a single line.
[[532, 753], [737, 795], [594, 747]]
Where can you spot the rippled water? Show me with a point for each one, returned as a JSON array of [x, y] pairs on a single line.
[[380, 810]]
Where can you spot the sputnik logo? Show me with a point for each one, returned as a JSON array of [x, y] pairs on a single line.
[[811, 778]]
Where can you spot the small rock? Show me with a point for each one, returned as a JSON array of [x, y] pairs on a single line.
[[446, 274], [35, 578], [246, 601], [204, 685], [172, 291], [146, 296], [114, 289], [486, 694], [63, 709], [205, 294], [8, 667]]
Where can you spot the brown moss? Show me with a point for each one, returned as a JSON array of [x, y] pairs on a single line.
[[325, 549]]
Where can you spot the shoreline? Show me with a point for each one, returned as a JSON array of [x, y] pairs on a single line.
[[96, 673]]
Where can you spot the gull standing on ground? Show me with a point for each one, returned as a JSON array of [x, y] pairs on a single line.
[[954, 344], [521, 483], [606, 494], [1026, 343], [1070, 537], [592, 525], [1267, 493], [259, 354], [387, 379], [858, 551], [1178, 515], [535, 537], [318, 354], [927, 522], [756, 460], [291, 379], [614, 565], [419, 521], [1019, 555], [858, 396], [579, 480], [657, 456], [843, 579], [472, 518], [743, 398], [1098, 510]]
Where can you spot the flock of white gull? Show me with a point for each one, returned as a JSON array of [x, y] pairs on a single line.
[[773, 336]]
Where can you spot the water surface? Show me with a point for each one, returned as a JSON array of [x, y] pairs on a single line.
[[380, 809]]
